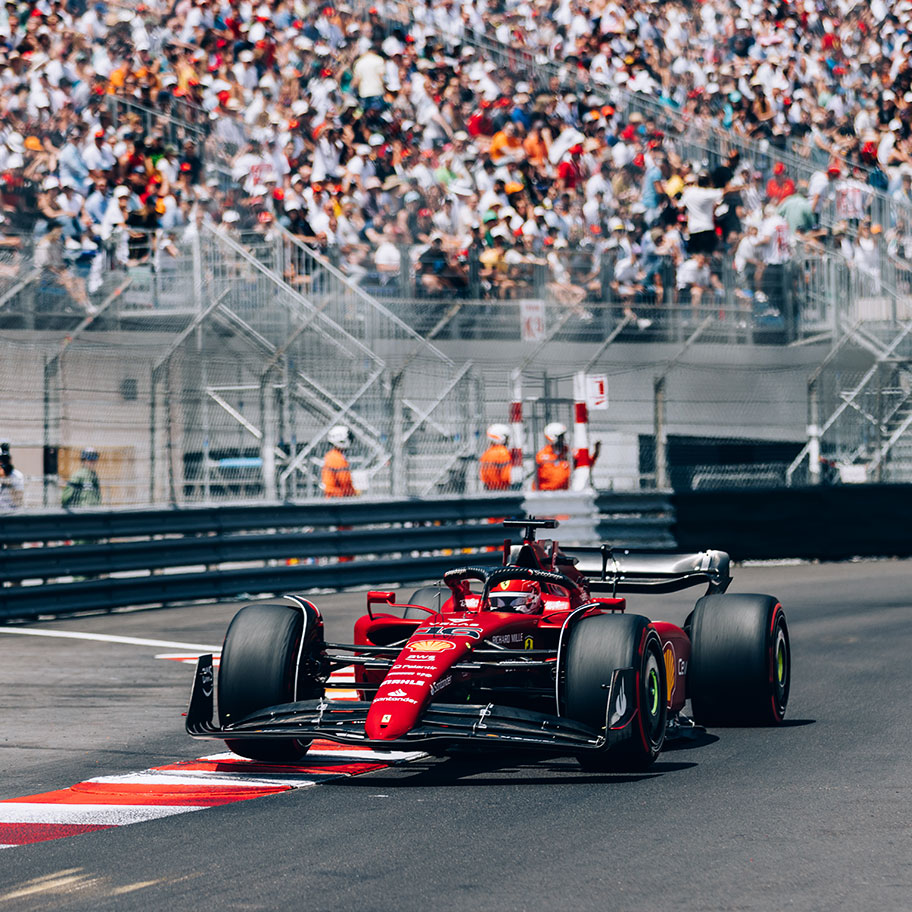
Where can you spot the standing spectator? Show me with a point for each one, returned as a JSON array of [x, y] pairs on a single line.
[[83, 489], [780, 186], [748, 260], [700, 204], [495, 463], [336, 474], [12, 482], [822, 190], [368, 79], [551, 461]]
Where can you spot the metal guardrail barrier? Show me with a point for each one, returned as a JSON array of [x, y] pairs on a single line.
[[821, 522], [284, 547]]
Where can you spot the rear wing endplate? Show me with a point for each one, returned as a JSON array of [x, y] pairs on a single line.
[[623, 570]]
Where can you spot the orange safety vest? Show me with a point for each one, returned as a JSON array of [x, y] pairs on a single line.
[[336, 477], [553, 470], [495, 467]]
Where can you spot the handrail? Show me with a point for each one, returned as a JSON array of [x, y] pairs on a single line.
[[850, 399], [359, 292]]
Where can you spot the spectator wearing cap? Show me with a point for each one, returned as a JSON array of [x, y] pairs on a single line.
[[780, 185], [83, 489], [495, 269], [822, 189], [97, 154], [774, 241]]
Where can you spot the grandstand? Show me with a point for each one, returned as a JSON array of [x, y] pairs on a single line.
[[227, 229]]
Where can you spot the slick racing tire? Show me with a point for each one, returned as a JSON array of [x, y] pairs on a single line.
[[258, 668], [740, 660], [596, 646], [428, 596]]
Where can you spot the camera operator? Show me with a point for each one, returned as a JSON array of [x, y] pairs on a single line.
[[12, 481]]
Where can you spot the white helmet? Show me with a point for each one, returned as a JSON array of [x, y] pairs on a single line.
[[339, 436], [499, 433], [554, 430]]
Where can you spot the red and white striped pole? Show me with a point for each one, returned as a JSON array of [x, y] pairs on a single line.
[[582, 463], [516, 431]]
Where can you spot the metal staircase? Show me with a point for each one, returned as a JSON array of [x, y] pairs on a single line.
[[865, 387], [326, 353]]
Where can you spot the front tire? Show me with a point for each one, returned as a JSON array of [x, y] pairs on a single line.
[[261, 666], [596, 646], [740, 660]]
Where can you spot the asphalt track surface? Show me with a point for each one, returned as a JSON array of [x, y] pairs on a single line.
[[816, 814]]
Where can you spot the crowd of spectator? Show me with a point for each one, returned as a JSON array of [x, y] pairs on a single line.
[[419, 163]]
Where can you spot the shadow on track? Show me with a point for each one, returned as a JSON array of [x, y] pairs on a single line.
[[501, 768], [786, 723]]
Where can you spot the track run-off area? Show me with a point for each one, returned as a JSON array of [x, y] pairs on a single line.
[[106, 804]]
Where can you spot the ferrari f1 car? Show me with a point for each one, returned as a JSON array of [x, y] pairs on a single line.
[[524, 655]]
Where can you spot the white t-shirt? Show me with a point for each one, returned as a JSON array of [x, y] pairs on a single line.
[[369, 70], [691, 273], [11, 489], [774, 231], [387, 255], [700, 203]]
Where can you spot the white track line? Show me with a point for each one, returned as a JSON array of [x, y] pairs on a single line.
[[108, 638], [218, 780], [93, 814]]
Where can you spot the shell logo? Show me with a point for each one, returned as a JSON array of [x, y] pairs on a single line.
[[670, 676], [430, 645]]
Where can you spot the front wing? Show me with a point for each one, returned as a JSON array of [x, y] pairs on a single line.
[[489, 724]]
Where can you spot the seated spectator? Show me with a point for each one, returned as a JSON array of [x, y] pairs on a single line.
[[695, 279]]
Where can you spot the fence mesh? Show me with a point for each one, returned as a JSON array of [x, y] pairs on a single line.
[[219, 377]]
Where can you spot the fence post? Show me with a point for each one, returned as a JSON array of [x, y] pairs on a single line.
[[813, 431], [397, 459], [474, 274], [152, 416], [661, 467], [196, 252], [267, 451]]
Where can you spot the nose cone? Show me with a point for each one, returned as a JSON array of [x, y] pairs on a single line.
[[423, 665]]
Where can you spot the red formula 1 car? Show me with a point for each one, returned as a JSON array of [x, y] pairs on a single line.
[[523, 655]]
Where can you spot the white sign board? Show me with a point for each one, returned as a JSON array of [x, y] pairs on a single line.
[[597, 391], [532, 320]]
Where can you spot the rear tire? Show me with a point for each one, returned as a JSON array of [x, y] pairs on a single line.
[[596, 646], [259, 667], [740, 660], [428, 596]]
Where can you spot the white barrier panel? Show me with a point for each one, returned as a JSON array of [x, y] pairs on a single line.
[[576, 511]]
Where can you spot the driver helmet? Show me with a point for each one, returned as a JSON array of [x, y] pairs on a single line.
[[89, 454], [522, 596], [499, 433], [338, 436], [554, 431]]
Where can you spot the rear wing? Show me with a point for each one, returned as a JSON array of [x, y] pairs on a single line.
[[616, 570]]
